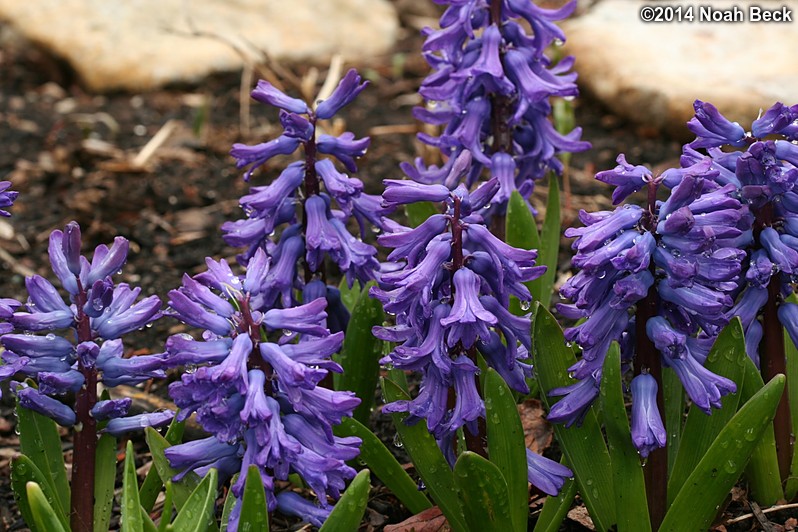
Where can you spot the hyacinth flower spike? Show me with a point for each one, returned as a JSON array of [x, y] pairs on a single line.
[[761, 166], [39, 342], [254, 385], [449, 288], [491, 90], [310, 199]]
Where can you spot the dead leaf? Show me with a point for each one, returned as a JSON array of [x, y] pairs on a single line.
[[538, 432], [430, 520], [581, 516]]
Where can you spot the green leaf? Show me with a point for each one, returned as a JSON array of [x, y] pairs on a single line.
[[506, 446], [229, 502], [254, 510], [197, 514], [104, 481], [673, 393], [360, 355], [428, 459], [182, 489], [584, 445], [383, 464], [791, 352], [483, 493], [521, 232], [726, 358], [44, 516], [556, 508], [23, 471], [39, 441], [418, 213], [146, 521], [168, 504], [762, 471], [349, 510], [152, 482], [549, 248], [132, 520], [349, 296], [708, 485], [627, 474]]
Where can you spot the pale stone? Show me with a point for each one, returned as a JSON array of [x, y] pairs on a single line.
[[652, 72], [141, 44]]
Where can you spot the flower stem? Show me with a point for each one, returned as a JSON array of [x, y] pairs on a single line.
[[648, 359], [773, 359], [85, 441], [474, 442]]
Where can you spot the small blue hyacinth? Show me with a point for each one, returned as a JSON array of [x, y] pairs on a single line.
[[253, 383], [449, 287], [491, 90], [39, 336], [684, 255], [765, 175], [7, 197], [325, 210]]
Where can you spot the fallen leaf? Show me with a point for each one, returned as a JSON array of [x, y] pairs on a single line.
[[430, 520], [538, 432], [581, 516]]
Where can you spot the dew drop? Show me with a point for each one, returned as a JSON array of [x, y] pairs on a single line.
[[397, 441]]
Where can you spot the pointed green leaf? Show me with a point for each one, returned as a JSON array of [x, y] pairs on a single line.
[[254, 510], [383, 464], [418, 213], [152, 482], [556, 508], [428, 459], [104, 481], [44, 517], [23, 470], [349, 296], [521, 232], [182, 489], [146, 522], [360, 355], [791, 352], [229, 502], [627, 474], [197, 514], [39, 441], [506, 446], [349, 510], [483, 493], [132, 520], [549, 248], [762, 471], [726, 358], [168, 504], [673, 393], [584, 445], [723, 462]]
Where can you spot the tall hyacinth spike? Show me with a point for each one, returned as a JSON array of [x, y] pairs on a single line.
[[491, 90], [311, 200], [71, 347], [449, 286], [253, 384], [665, 276]]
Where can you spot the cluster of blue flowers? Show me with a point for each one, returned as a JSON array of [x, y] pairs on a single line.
[[449, 287], [269, 334], [764, 175], [490, 89], [703, 256], [70, 347]]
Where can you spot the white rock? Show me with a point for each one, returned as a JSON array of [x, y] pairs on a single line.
[[652, 72], [141, 44]]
